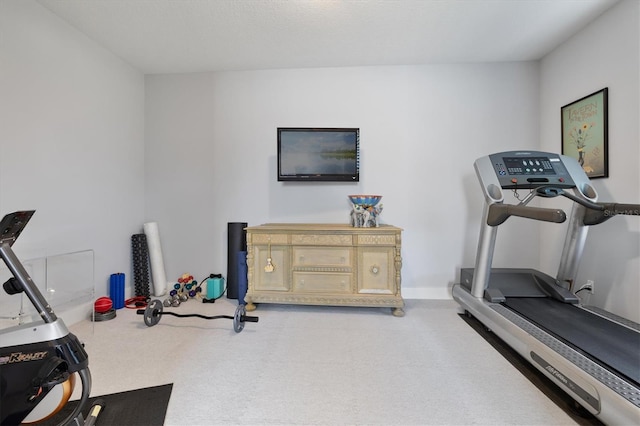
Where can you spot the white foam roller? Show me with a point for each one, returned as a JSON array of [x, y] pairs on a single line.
[[158, 274]]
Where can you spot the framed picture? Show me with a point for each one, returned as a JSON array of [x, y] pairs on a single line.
[[585, 133]]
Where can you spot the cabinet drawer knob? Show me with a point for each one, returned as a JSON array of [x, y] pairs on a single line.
[[375, 269]]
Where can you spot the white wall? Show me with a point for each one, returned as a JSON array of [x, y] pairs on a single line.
[[71, 140], [604, 54], [211, 146]]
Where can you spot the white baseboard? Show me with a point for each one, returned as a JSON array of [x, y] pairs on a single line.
[[426, 293]]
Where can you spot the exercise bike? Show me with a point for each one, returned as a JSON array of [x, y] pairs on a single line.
[[39, 361]]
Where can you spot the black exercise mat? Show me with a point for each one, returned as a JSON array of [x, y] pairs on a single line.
[[147, 406]]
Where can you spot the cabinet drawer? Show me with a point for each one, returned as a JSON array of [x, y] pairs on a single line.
[[308, 282], [322, 256], [268, 239], [377, 240], [321, 240]]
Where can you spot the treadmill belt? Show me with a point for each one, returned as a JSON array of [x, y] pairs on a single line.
[[614, 346]]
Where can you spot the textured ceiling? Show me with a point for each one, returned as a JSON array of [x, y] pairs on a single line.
[[170, 36]]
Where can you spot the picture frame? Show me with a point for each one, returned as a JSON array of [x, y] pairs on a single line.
[[585, 132]]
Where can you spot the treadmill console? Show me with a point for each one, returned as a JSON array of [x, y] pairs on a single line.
[[530, 169]]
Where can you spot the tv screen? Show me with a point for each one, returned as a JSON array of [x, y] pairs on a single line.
[[318, 154]]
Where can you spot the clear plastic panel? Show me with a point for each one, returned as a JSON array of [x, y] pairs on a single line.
[[10, 305], [17, 309], [69, 280], [65, 280]]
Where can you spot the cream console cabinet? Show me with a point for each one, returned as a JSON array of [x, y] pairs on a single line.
[[324, 264]]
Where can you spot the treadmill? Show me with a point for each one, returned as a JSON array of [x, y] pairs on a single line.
[[593, 355]]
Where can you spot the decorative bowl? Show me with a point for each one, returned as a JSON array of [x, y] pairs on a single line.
[[365, 200]]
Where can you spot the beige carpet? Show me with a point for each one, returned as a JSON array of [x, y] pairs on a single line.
[[316, 365]]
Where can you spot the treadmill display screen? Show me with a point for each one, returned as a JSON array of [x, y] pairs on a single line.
[[528, 166], [530, 170]]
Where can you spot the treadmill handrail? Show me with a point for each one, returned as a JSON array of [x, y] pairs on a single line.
[[499, 213], [595, 217], [548, 191], [596, 213]]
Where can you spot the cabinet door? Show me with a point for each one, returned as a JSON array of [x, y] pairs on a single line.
[[376, 270], [276, 279]]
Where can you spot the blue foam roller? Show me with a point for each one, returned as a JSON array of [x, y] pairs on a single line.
[[116, 290]]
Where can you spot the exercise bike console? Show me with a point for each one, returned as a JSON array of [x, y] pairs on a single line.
[[12, 225]]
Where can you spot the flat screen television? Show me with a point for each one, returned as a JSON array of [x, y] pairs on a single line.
[[318, 154]]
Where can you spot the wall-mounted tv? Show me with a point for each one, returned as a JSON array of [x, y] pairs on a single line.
[[318, 154]]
